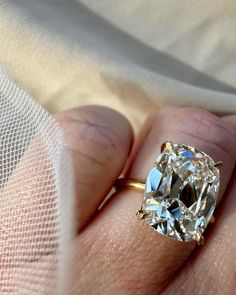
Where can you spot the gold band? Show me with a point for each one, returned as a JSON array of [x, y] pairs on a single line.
[[130, 183]]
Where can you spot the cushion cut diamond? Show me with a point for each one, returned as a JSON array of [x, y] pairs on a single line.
[[181, 192]]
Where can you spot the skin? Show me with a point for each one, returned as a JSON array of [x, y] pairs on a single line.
[[119, 254], [113, 252]]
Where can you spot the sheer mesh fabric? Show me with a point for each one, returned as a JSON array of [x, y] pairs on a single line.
[[36, 189]]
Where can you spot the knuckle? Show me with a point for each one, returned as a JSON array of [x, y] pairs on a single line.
[[89, 138], [205, 127]]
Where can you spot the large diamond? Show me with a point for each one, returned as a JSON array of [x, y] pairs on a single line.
[[181, 192]]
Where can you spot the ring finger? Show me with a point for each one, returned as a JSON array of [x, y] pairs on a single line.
[[146, 259]]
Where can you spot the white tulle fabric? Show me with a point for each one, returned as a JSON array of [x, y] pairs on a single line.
[[36, 197]]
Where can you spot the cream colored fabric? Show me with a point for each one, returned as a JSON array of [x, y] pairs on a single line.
[[133, 56]]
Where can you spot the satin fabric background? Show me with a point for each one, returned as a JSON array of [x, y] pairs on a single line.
[[134, 56]]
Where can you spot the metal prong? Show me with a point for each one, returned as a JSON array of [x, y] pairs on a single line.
[[168, 145], [212, 220], [218, 164], [199, 239], [141, 214]]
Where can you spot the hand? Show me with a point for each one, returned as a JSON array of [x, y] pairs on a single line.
[[115, 252]]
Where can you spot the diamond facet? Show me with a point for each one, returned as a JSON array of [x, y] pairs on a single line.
[[181, 192]]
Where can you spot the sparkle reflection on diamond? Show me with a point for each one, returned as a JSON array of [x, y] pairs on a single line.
[[181, 192]]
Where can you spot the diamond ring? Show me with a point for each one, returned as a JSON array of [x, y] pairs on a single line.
[[180, 192]]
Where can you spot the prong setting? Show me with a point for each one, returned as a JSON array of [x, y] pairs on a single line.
[[141, 214], [168, 145], [199, 239], [212, 220], [218, 164]]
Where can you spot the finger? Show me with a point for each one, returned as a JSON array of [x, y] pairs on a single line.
[[230, 120], [147, 259], [216, 264], [99, 140], [29, 229], [193, 127]]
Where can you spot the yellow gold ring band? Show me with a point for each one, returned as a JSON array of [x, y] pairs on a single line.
[[130, 183]]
